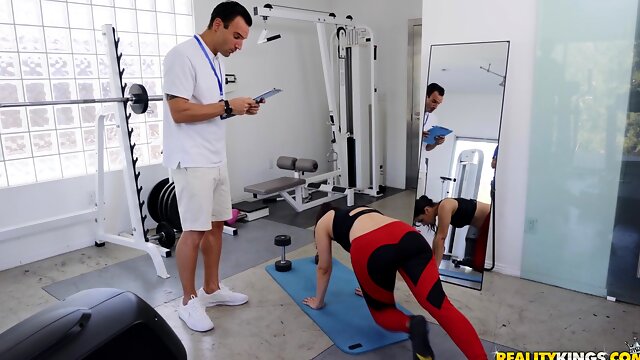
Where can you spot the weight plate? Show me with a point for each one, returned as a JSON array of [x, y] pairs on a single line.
[[154, 198], [173, 214]]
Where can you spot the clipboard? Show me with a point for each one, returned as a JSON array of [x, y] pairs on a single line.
[[267, 94], [258, 98], [434, 132]]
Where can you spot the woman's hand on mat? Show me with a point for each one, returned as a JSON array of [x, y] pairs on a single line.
[[313, 302], [358, 291]]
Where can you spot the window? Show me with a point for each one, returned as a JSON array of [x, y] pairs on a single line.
[[58, 53]]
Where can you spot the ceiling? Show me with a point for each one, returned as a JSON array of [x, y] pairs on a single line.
[[456, 67]]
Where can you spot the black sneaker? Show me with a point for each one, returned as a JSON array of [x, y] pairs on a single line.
[[419, 335]]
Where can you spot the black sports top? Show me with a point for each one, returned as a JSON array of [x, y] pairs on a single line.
[[343, 222], [464, 213]]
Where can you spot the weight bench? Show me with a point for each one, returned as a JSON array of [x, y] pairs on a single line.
[[301, 186]]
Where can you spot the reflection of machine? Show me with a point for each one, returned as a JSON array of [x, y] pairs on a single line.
[[488, 69], [468, 173], [466, 184]]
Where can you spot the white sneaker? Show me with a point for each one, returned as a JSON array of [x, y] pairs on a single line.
[[224, 296], [194, 316]]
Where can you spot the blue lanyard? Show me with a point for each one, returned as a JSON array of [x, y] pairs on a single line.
[[212, 66], [426, 117]]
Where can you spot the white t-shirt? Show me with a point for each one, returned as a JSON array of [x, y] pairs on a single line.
[[428, 121], [188, 74]]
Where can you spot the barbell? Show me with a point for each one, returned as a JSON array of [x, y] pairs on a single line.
[[138, 98]]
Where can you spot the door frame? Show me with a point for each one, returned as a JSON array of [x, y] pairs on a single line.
[[411, 170]]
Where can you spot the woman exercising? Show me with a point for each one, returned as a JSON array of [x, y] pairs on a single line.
[[457, 212], [380, 246]]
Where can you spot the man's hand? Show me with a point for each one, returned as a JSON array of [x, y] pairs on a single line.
[[255, 106], [439, 140], [313, 303], [241, 105], [425, 134]]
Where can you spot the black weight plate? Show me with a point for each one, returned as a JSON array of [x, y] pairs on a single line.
[[283, 266], [168, 240], [140, 102], [165, 202], [282, 240], [173, 213], [161, 200], [154, 198]]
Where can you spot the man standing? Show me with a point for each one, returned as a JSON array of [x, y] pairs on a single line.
[[195, 152], [435, 96]]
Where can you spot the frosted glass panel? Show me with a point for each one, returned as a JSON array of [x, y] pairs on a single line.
[[9, 63], [72, 164], [102, 15], [184, 25], [7, 38], [145, 4], [20, 172], [48, 167], [6, 16], [581, 92], [33, 65], [24, 13], [164, 5], [83, 41], [3, 175], [126, 20], [148, 44], [30, 38], [183, 6], [55, 50], [167, 23], [80, 16], [54, 13], [57, 40], [125, 4], [37, 90], [147, 22]]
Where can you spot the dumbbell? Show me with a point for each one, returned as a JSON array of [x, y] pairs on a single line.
[[165, 235], [235, 216], [283, 241]]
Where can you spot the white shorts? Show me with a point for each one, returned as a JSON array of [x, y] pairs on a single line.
[[203, 196]]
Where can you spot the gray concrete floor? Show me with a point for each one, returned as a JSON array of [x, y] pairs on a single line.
[[509, 311]]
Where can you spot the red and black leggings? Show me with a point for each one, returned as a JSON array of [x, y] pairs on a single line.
[[397, 247]]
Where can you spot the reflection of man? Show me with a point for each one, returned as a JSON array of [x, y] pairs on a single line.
[[435, 96]]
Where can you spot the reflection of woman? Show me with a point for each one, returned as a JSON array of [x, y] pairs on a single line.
[[380, 247], [457, 212]]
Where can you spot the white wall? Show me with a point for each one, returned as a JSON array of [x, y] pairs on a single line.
[[456, 21], [389, 22]]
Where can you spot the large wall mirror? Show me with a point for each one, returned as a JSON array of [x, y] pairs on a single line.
[[463, 104]]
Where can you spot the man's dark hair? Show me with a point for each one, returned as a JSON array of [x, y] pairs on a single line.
[[227, 11], [431, 88]]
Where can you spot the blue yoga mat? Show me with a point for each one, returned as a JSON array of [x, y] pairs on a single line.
[[345, 318]]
